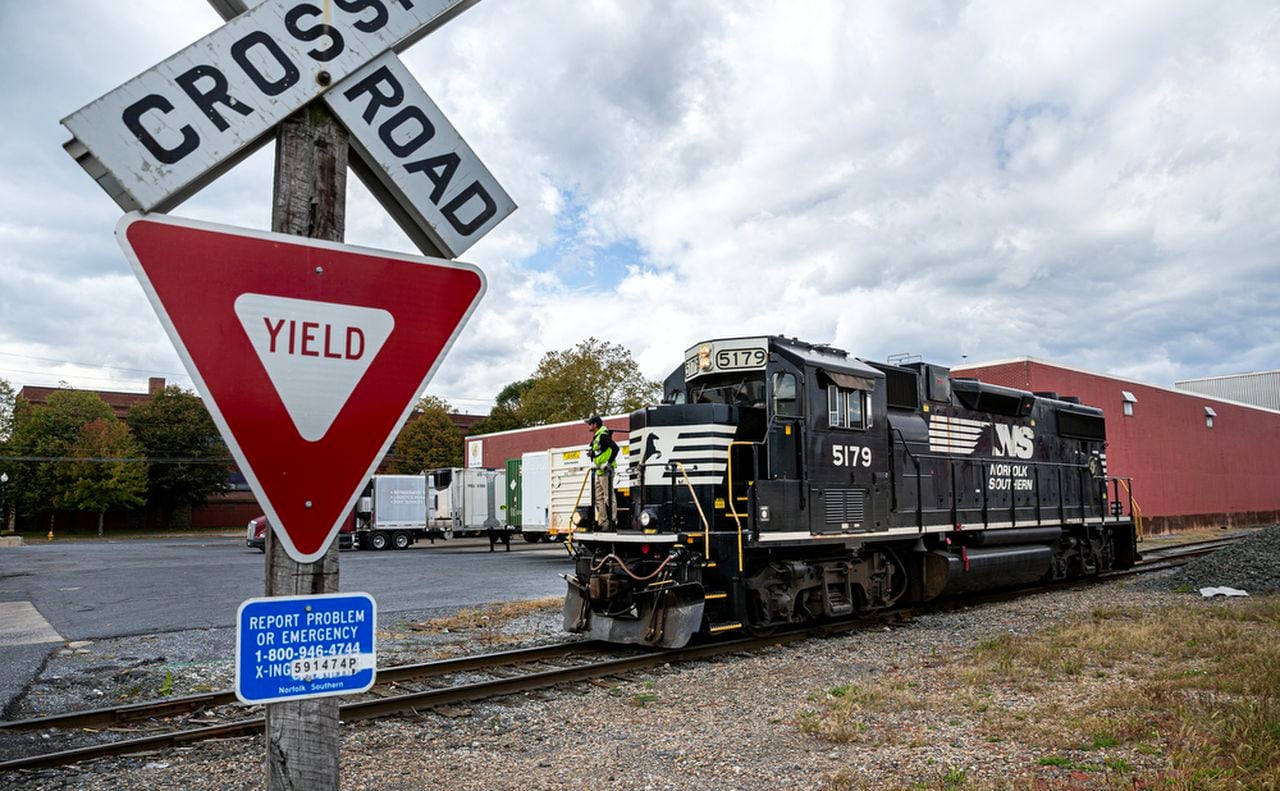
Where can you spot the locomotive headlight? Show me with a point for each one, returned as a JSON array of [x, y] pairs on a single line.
[[704, 357], [576, 519], [647, 518]]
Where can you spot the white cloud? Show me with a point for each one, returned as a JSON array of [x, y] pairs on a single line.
[[1088, 182]]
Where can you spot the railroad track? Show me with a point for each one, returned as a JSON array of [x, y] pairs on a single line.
[[543, 667]]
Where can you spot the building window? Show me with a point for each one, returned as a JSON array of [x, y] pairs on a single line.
[[1209, 415], [847, 408], [1129, 401]]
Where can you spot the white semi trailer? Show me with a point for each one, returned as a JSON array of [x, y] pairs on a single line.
[[553, 481], [393, 512], [469, 501]]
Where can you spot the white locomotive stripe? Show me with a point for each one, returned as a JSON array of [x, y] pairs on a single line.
[[957, 421], [966, 431], [954, 439]]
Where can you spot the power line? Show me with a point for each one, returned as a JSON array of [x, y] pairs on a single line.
[[90, 365], [61, 378]]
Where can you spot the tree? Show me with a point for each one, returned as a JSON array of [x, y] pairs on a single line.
[[594, 377], [174, 424], [508, 411], [90, 483], [49, 431], [428, 440], [8, 400]]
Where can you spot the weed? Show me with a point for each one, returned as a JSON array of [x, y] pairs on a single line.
[[166, 686], [486, 618], [954, 777], [1102, 740], [642, 698], [839, 691]]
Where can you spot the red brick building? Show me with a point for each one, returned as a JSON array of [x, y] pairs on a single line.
[[1196, 460], [119, 402], [493, 450]]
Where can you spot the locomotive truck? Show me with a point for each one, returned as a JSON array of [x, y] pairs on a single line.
[[781, 482]]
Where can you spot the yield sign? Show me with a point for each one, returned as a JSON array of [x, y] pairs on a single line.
[[309, 354]]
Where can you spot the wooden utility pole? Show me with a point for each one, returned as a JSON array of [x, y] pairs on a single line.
[[309, 199]]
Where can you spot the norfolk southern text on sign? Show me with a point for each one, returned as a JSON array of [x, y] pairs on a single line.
[[290, 647], [164, 133]]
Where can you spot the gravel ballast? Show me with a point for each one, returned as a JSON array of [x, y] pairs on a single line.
[[1251, 564], [736, 722], [731, 723]]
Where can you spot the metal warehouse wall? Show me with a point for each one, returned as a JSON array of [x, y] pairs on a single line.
[[1260, 389], [495, 449], [1185, 474]]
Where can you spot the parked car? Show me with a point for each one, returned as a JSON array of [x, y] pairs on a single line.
[[256, 534]]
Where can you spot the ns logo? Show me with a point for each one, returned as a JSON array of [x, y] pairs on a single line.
[[1015, 441]]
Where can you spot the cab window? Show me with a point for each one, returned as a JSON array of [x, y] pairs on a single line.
[[847, 408], [785, 403]]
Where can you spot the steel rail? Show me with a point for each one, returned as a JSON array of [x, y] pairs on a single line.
[[116, 715], [415, 701]]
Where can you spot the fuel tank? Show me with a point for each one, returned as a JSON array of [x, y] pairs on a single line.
[[969, 569]]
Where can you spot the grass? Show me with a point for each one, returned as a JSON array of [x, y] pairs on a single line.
[[487, 617], [1184, 697]]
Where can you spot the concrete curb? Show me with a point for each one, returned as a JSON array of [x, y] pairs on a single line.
[[10, 541]]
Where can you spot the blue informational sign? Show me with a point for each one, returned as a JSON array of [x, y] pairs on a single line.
[[290, 647]]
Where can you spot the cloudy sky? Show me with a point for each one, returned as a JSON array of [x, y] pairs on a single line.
[[1092, 183]]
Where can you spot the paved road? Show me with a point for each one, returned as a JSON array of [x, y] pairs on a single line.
[[91, 590], [99, 589]]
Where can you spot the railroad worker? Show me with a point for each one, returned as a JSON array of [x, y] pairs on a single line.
[[603, 453]]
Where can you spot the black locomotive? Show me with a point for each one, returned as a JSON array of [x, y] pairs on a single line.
[[782, 482]]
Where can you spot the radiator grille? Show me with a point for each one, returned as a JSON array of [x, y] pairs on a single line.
[[844, 506]]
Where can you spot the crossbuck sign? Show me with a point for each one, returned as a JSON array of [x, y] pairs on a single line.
[[165, 134]]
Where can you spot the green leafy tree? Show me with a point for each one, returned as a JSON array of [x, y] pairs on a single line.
[[508, 411], [49, 431], [8, 402], [428, 440], [8, 399], [93, 480], [594, 377], [174, 425]]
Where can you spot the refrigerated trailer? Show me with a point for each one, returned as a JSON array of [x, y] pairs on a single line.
[[553, 481], [534, 489], [468, 501], [393, 513]]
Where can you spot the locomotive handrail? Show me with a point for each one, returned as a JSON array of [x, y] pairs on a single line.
[[706, 528], [568, 539], [1135, 510], [733, 506], [1057, 466]]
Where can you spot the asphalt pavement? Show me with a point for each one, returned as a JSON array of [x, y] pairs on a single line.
[[63, 591]]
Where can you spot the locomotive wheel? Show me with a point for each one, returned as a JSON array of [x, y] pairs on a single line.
[[400, 540], [530, 538], [378, 540]]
